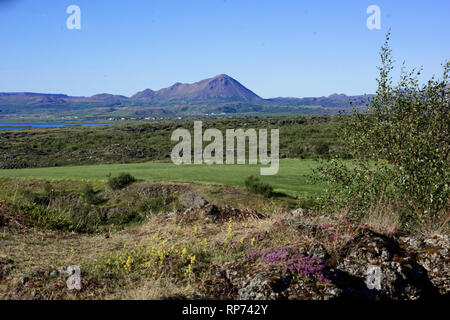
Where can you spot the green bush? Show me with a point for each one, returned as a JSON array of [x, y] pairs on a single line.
[[90, 196], [70, 218], [402, 145], [121, 181], [255, 185]]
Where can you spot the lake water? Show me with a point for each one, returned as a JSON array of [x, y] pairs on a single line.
[[20, 125]]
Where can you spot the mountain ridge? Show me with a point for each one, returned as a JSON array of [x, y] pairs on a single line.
[[219, 94]]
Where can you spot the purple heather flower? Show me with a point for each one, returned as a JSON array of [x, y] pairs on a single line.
[[292, 261]]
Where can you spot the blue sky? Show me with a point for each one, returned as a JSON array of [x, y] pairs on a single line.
[[275, 48]]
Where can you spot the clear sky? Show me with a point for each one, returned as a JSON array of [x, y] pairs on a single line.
[[275, 48]]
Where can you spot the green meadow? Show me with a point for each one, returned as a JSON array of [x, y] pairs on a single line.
[[292, 178]]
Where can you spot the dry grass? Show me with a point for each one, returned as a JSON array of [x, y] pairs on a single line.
[[383, 218], [440, 226], [157, 289], [34, 247]]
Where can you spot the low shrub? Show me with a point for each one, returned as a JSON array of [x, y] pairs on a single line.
[[121, 181], [309, 203], [255, 185]]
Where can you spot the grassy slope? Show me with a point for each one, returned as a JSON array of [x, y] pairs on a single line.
[[292, 177]]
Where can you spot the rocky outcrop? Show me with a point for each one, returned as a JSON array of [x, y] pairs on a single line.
[[433, 255], [212, 213], [192, 200], [369, 266], [374, 266]]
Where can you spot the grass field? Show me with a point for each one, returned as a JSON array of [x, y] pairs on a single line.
[[291, 179]]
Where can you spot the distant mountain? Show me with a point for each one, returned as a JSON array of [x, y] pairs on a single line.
[[218, 95], [146, 95], [219, 88]]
